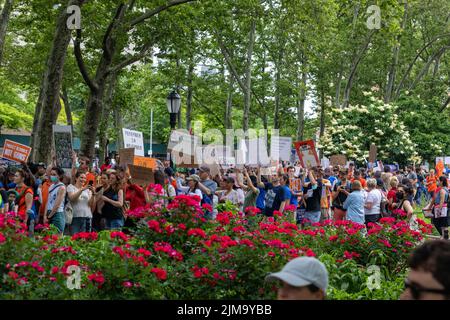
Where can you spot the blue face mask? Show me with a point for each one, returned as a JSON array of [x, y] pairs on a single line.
[[54, 179]]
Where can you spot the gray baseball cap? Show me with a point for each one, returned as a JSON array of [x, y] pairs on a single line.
[[303, 271]]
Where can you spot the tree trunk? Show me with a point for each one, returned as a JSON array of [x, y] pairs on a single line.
[[4, 20], [301, 106], [67, 108], [276, 120], [105, 119], [229, 106], [190, 91], [395, 55], [357, 59], [248, 85], [48, 102], [322, 115]]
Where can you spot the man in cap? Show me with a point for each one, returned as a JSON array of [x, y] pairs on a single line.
[[303, 278], [207, 185]]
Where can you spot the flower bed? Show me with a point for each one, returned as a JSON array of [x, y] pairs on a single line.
[[174, 253]]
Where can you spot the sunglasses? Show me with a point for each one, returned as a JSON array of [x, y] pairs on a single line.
[[416, 290]]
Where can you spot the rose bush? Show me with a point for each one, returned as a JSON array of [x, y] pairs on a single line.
[[173, 252]]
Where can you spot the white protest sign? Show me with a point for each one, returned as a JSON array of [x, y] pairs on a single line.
[[134, 139], [447, 160], [325, 162], [280, 148]]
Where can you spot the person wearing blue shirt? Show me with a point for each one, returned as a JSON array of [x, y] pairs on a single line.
[[287, 192], [354, 204]]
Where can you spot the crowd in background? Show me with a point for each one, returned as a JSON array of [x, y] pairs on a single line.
[[99, 198]]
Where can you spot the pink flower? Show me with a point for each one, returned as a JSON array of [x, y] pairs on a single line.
[[2, 238], [127, 284], [154, 225], [119, 234], [197, 233], [97, 277], [333, 238]]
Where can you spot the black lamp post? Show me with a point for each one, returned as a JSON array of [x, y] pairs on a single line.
[[173, 106]]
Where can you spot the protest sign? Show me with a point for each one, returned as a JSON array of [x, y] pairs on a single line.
[[280, 148], [447, 160], [307, 153], [338, 160], [373, 153], [62, 138], [325, 162], [145, 162], [134, 139], [126, 156], [141, 175], [15, 151]]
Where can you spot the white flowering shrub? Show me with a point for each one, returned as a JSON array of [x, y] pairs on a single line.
[[352, 130]]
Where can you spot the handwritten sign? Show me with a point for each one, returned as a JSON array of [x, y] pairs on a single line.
[[62, 138], [15, 151], [338, 160], [307, 153], [145, 162], [134, 139], [141, 175], [126, 156]]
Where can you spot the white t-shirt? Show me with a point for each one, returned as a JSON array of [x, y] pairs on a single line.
[[373, 197], [80, 207]]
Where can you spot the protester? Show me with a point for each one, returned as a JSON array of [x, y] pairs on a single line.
[[81, 197], [312, 192], [55, 204], [193, 186], [303, 278], [341, 191], [430, 183], [107, 165], [439, 202], [403, 206], [357, 177], [252, 191], [113, 198], [372, 206], [275, 199], [295, 185], [354, 204], [24, 199], [11, 204], [429, 273], [228, 193], [98, 221]]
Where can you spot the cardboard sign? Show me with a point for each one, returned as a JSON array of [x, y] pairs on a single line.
[[126, 156], [145, 162], [15, 151], [134, 139], [62, 139], [307, 153], [141, 175], [338, 160], [280, 148], [373, 153]]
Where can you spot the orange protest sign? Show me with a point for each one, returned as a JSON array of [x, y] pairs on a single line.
[[145, 162], [439, 168], [15, 151]]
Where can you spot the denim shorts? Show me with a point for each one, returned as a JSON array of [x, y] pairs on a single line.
[[313, 216], [59, 221], [112, 224]]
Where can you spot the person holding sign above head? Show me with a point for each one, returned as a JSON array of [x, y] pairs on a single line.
[[82, 199]]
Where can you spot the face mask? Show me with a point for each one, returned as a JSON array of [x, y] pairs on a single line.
[[399, 195], [54, 179]]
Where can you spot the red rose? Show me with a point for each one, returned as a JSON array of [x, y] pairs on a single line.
[[161, 274]]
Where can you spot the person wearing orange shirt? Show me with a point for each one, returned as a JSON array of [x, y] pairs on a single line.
[[357, 176]]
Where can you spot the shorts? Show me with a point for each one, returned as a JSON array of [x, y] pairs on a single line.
[[372, 218], [313, 216], [59, 221]]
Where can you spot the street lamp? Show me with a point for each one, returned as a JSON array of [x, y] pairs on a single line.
[[173, 106]]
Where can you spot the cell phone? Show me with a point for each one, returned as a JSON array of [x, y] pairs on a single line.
[[91, 183]]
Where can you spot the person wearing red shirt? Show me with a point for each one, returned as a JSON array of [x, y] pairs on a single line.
[[107, 165], [25, 198], [392, 194], [357, 176]]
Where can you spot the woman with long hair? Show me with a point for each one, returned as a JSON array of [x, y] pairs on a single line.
[[440, 200], [113, 197], [98, 222]]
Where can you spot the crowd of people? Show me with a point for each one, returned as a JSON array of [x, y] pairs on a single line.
[[98, 199]]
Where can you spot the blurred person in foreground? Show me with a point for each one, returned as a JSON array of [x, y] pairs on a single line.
[[429, 273], [303, 278]]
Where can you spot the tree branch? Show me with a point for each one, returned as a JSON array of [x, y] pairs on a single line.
[[132, 59], [79, 57], [445, 104], [400, 85], [155, 11], [107, 37]]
